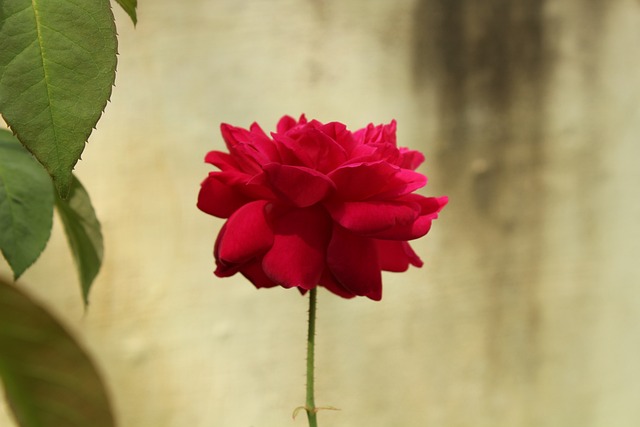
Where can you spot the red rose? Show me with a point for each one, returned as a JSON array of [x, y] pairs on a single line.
[[316, 204]]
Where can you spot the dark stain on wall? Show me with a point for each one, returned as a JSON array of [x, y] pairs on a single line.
[[485, 70], [487, 63], [481, 58]]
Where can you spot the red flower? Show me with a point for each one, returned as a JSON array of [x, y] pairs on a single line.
[[316, 204]]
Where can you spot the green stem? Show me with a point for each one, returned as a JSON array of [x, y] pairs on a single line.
[[310, 403]]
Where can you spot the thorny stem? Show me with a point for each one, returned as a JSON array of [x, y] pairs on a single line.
[[310, 406]]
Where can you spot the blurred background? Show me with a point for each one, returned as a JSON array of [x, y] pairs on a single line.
[[526, 312]]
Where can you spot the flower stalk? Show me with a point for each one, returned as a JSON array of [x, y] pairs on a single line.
[[310, 405]]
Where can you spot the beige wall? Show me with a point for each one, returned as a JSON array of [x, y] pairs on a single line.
[[526, 312]]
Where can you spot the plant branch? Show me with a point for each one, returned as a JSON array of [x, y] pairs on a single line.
[[310, 406]]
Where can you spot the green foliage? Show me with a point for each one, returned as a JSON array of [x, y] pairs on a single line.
[[26, 205], [57, 68], [83, 233], [26, 211], [49, 380], [130, 6]]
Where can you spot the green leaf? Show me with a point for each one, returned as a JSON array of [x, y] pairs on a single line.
[[26, 205], [129, 6], [57, 68], [83, 233], [49, 380]]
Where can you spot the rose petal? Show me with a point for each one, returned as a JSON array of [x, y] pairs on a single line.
[[363, 135], [332, 285], [256, 130], [374, 216], [430, 206], [297, 257], [248, 158], [396, 256], [410, 159], [373, 134], [297, 185], [224, 161], [249, 149], [222, 269], [339, 133], [310, 147], [353, 261], [287, 123], [255, 274], [404, 182], [234, 135], [217, 198], [251, 187], [261, 147], [414, 259], [417, 229], [379, 180], [361, 181], [247, 234], [391, 256]]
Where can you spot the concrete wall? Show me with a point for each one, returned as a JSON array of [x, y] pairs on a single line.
[[526, 312]]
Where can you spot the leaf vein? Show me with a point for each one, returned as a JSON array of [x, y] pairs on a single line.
[[46, 78]]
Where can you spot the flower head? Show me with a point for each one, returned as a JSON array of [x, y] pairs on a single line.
[[316, 204]]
